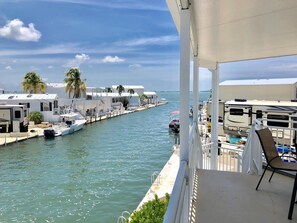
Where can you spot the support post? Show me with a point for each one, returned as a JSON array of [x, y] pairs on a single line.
[[214, 118], [195, 88], [184, 97]]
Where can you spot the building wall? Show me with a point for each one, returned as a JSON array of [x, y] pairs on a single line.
[[264, 92]]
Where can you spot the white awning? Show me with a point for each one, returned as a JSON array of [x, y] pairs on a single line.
[[236, 30]]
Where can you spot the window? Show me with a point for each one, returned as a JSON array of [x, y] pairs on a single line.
[[278, 117], [45, 106], [259, 114], [17, 114], [236, 111], [26, 104], [55, 104]]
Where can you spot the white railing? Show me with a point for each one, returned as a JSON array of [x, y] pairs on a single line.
[[229, 159], [175, 206]]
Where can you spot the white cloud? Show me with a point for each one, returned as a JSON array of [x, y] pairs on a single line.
[[8, 68], [50, 67], [110, 59], [16, 30], [82, 57], [135, 65], [78, 60], [161, 40]]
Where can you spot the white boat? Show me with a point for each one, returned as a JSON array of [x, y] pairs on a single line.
[[74, 121], [71, 122]]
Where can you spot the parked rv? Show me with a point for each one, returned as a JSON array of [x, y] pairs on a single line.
[[13, 118], [239, 115]]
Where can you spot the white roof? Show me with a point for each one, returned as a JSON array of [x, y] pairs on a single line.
[[114, 94], [56, 85], [28, 96], [129, 86], [235, 30], [262, 102], [276, 81], [150, 93]]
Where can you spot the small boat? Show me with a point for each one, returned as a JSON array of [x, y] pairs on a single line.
[[56, 130], [74, 121], [191, 112], [71, 122], [174, 122]]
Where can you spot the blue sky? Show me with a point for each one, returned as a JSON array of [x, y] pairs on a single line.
[[112, 42]]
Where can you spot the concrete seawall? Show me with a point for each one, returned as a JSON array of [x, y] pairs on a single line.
[[165, 181]]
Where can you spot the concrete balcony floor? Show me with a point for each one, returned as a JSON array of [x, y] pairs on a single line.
[[226, 197]]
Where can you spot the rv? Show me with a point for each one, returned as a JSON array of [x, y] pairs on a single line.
[[13, 118], [239, 115]]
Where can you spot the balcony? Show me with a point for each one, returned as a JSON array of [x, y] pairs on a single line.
[[231, 197], [228, 193]]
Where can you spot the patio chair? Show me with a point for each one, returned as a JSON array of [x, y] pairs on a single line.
[[275, 162]]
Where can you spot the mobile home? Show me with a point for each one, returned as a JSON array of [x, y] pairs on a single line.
[[13, 118], [47, 104]]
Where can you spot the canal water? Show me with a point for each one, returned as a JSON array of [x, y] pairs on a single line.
[[90, 176]]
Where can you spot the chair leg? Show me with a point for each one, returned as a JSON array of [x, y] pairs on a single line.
[[271, 175], [293, 199], [261, 177]]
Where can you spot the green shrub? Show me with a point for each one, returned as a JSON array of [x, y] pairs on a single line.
[[36, 117], [151, 212]]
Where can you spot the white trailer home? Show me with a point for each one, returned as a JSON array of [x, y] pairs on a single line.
[[47, 104], [283, 89], [13, 118], [240, 114], [152, 97]]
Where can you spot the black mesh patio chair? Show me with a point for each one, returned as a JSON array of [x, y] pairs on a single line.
[[275, 162]]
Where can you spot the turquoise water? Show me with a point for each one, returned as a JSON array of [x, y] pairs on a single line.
[[90, 176]]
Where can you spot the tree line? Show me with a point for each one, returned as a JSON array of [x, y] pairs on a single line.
[[34, 84]]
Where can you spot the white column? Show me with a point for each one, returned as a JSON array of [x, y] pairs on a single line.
[[195, 88], [184, 83], [214, 117]]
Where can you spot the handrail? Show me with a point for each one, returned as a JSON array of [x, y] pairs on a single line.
[[175, 200]]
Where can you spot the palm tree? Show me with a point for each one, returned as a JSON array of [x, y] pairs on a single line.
[[33, 83], [143, 98], [120, 89], [108, 89], [131, 92], [74, 84]]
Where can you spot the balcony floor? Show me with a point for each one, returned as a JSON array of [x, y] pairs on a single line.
[[227, 197]]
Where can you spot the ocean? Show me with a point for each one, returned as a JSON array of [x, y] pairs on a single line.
[[90, 176]]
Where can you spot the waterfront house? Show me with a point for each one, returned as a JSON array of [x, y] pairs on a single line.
[[47, 104], [132, 99], [152, 97], [280, 89], [213, 32], [139, 89]]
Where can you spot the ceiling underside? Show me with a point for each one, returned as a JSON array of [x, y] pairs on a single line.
[[237, 30]]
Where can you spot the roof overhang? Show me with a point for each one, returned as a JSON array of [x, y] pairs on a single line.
[[236, 30]]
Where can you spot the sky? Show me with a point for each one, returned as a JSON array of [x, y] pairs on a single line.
[[128, 42]]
